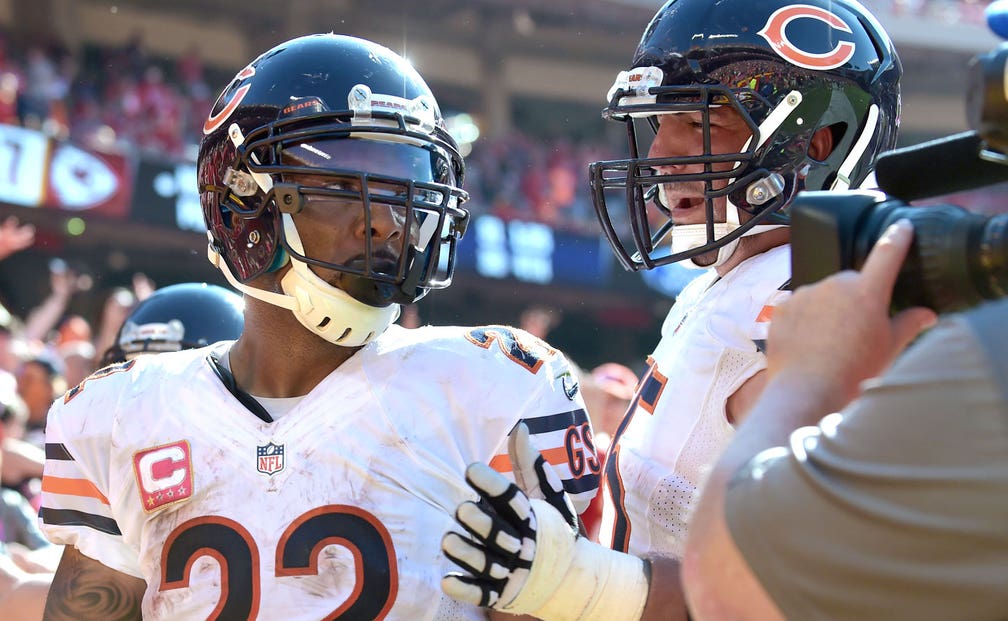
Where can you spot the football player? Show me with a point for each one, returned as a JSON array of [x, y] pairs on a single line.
[[731, 108], [177, 317], [306, 470]]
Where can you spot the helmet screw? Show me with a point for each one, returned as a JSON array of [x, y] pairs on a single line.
[[287, 199], [359, 94], [253, 237], [792, 100]]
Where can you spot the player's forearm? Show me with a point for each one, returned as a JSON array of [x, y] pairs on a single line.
[[595, 583], [45, 316], [665, 601], [85, 590]]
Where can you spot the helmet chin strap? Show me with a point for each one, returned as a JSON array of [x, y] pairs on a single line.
[[322, 309], [689, 236]]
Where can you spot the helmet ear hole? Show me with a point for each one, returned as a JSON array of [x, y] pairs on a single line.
[[824, 140]]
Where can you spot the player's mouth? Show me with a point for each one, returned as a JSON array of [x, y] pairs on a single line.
[[680, 201], [365, 288], [382, 263], [685, 204]]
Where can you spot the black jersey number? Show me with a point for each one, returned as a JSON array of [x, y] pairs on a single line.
[[297, 554]]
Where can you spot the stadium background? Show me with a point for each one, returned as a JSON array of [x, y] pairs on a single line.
[[100, 104]]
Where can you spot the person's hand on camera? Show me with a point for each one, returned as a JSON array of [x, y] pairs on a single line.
[[836, 333]]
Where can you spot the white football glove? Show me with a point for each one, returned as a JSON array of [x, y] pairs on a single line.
[[526, 556]]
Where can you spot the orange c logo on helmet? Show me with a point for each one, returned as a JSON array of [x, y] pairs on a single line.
[[775, 32], [216, 120]]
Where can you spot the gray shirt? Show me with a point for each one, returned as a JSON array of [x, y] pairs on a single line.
[[897, 507]]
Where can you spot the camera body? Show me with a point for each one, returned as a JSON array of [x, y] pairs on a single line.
[[958, 258]]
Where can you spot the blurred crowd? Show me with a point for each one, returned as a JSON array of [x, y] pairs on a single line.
[[951, 11], [126, 101], [42, 354]]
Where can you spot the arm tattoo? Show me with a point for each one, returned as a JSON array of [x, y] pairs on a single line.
[[84, 589]]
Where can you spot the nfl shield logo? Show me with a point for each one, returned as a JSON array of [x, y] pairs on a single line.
[[270, 458]]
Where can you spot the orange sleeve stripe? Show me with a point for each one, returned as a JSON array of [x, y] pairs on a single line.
[[72, 487], [554, 456], [765, 315]]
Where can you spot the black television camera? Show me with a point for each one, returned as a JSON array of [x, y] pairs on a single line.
[[958, 258]]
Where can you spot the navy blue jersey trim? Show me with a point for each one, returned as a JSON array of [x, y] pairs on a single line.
[[58, 452], [69, 517], [555, 422], [586, 483]]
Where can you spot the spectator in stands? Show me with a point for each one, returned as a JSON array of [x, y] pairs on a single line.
[[12, 82], [161, 108], [117, 307], [21, 535], [64, 283], [19, 528], [22, 463], [11, 347], [27, 559], [41, 76], [39, 382], [15, 236], [79, 359], [612, 387], [13, 414], [539, 320]]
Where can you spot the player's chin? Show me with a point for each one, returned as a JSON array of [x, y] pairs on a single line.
[[706, 259]]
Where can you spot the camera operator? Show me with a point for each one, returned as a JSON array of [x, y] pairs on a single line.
[[896, 506]]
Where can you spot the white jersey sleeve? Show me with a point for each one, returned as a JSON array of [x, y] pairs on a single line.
[[75, 507], [496, 376], [554, 412]]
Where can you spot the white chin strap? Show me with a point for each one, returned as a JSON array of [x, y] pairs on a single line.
[[327, 311], [689, 236]]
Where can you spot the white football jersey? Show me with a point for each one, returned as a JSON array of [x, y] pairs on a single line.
[[677, 425], [337, 509]]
